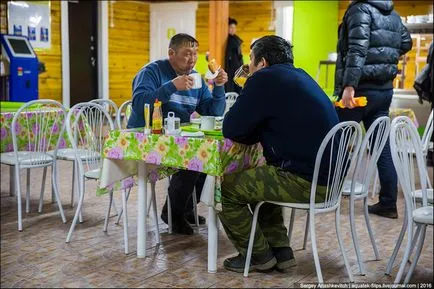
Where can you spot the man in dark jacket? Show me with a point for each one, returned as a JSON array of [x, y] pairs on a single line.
[[233, 57], [371, 40]]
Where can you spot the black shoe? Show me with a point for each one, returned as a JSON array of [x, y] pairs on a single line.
[[190, 218], [285, 258], [381, 210], [179, 225], [260, 263]]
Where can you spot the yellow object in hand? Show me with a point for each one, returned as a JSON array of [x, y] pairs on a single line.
[[240, 81], [360, 101]]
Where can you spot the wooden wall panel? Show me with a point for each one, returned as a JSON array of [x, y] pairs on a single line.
[[50, 82], [128, 46], [202, 20]]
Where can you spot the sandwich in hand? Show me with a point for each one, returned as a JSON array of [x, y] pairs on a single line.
[[212, 66]]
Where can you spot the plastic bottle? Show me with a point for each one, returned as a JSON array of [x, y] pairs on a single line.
[[360, 101], [157, 118]]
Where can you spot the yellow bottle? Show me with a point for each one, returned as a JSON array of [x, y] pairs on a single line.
[[157, 118], [360, 101]]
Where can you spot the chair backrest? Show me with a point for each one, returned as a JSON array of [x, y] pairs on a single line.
[[37, 127], [407, 155], [123, 121], [426, 137], [88, 125], [231, 97], [108, 105], [370, 150], [341, 145]]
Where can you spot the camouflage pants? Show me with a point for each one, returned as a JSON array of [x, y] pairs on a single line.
[[250, 187]]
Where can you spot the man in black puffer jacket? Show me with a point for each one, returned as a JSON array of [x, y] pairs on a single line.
[[371, 40]]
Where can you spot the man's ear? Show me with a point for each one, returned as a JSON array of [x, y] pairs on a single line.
[[171, 52], [265, 62]]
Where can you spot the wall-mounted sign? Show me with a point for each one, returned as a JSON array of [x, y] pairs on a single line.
[[31, 19]]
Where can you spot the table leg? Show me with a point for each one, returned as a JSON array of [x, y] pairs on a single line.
[[141, 209], [212, 240]]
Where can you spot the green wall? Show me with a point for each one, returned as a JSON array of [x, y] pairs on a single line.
[[315, 29]]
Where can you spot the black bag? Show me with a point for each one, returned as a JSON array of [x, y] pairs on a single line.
[[424, 81]]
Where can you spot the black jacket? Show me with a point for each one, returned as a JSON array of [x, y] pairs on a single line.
[[233, 61], [371, 40]]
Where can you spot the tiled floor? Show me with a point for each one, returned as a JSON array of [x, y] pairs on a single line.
[[39, 256]]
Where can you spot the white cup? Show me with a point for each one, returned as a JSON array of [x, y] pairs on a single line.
[[207, 123], [197, 80]]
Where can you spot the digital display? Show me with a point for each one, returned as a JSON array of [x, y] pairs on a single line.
[[19, 46]]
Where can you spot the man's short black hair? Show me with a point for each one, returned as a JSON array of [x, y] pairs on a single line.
[[232, 21], [274, 49], [182, 39]]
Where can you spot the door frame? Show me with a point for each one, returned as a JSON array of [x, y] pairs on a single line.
[[102, 56]]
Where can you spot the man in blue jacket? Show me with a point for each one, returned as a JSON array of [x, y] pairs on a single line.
[[168, 81], [285, 110]]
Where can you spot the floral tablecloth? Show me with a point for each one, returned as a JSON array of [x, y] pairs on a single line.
[[215, 157], [27, 125]]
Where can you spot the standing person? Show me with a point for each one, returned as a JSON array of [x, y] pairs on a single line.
[[233, 57], [272, 110], [371, 40], [168, 81]]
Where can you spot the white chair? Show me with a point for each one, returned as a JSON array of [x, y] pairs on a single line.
[[358, 188], [409, 161], [344, 140], [88, 124], [31, 149], [109, 106], [123, 114], [231, 97]]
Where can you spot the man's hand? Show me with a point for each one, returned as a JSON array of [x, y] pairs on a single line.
[[348, 97], [221, 78], [183, 82]]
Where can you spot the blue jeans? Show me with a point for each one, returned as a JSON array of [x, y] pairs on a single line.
[[378, 105]]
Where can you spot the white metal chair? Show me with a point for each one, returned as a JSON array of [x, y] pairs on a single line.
[[358, 188], [40, 133], [344, 142], [88, 124], [123, 114], [408, 158], [109, 106], [231, 97]]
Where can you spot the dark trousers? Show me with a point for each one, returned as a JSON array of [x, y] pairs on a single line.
[[378, 105], [181, 189]]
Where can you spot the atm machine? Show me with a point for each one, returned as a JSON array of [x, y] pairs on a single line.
[[20, 69]]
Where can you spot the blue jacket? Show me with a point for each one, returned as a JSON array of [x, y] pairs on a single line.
[[155, 81], [285, 110]]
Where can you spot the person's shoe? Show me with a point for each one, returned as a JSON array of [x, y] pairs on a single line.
[[190, 218], [285, 258], [179, 225], [260, 263], [381, 210]]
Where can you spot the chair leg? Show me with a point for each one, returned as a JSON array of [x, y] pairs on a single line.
[[55, 188], [355, 238], [196, 216], [115, 210], [397, 246], [124, 208], [414, 241], [28, 192], [77, 211], [314, 248], [154, 204], [80, 216], [41, 197], [108, 211], [18, 193], [416, 257], [291, 225], [169, 213], [407, 250], [306, 231], [150, 201], [374, 188], [371, 233], [11, 181], [251, 239], [341, 244], [73, 184]]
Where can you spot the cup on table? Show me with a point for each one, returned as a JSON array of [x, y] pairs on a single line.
[[197, 80], [241, 75], [207, 123]]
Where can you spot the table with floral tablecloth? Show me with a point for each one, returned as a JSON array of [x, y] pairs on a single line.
[[27, 125]]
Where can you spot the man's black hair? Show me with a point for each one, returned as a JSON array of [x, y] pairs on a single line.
[[232, 21], [182, 39], [274, 49]]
